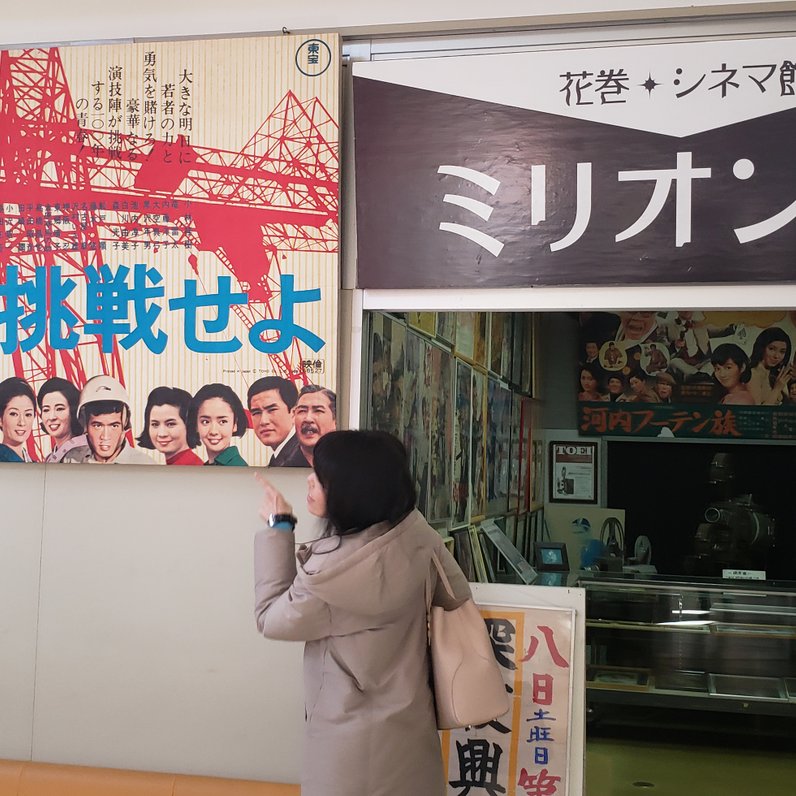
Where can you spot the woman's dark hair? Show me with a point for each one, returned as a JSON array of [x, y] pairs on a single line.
[[72, 395], [729, 351], [771, 335], [225, 394], [14, 387], [169, 396], [366, 478]]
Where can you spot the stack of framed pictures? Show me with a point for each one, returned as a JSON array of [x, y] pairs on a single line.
[[459, 390]]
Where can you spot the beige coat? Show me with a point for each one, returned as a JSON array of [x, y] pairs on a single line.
[[359, 603]]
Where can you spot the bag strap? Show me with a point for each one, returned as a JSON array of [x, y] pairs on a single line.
[[443, 577]]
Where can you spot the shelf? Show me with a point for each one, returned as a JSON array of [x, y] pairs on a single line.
[[704, 647], [717, 628]]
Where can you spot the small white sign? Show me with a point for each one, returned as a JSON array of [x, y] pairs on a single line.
[[743, 574]]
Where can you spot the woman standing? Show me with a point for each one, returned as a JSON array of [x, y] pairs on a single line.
[[771, 370], [58, 400], [166, 427], [17, 411], [218, 415], [358, 600], [731, 371]]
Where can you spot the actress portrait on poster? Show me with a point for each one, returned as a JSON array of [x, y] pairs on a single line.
[[218, 415], [17, 412]]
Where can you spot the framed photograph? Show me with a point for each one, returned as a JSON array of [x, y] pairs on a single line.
[[465, 335], [537, 474], [536, 372], [520, 533], [526, 436], [439, 488], [550, 556], [425, 322], [446, 328], [490, 559], [506, 552], [463, 552], [498, 447], [416, 412], [478, 556], [462, 433], [478, 458], [386, 370], [573, 472], [514, 448], [534, 528], [497, 338], [618, 677], [528, 358]]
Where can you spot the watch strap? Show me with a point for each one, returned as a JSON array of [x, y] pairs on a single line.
[[282, 522]]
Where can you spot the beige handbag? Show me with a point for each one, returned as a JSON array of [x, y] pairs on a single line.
[[468, 685]]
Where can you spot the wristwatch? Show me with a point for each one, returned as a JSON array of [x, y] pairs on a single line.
[[275, 520]]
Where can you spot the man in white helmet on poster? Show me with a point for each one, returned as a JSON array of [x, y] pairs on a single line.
[[104, 412]]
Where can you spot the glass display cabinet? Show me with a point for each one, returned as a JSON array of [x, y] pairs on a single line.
[[696, 646]]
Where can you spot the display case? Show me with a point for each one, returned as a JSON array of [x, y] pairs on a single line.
[[697, 645]]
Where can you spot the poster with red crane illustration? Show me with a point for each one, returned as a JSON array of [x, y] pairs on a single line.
[[169, 251]]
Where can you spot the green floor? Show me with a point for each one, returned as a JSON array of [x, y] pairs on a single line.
[[631, 768]]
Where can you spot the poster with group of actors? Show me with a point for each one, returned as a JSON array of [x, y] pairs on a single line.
[[169, 251], [686, 373]]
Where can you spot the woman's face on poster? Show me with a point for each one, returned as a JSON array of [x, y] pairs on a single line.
[[774, 353], [728, 374], [167, 430], [17, 420], [587, 381], [56, 416], [615, 386], [216, 424]]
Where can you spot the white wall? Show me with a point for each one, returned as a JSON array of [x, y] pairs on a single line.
[[127, 636], [87, 20]]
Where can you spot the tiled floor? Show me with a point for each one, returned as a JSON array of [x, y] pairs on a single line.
[[633, 768]]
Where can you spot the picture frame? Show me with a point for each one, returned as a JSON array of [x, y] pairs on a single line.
[[573, 472], [520, 533], [425, 322], [478, 478], [463, 553], [416, 413], [446, 328], [461, 448], [441, 462], [550, 556], [506, 552], [465, 335], [478, 555]]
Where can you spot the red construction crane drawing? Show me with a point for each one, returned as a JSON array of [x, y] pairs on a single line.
[[71, 195]]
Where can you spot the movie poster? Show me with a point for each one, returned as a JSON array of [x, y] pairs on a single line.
[[169, 241], [685, 373], [526, 751]]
